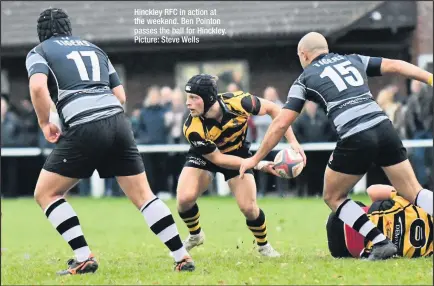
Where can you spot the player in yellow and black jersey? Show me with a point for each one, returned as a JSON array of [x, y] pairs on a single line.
[[408, 226], [216, 129]]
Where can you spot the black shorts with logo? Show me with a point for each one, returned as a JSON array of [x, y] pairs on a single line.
[[196, 160], [380, 145], [106, 145]]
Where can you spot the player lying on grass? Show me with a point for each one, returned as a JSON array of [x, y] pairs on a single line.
[[339, 83], [97, 135], [216, 129], [408, 226]]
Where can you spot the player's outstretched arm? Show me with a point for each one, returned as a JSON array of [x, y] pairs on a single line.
[[234, 162], [274, 133], [273, 110], [406, 69], [379, 192], [223, 160]]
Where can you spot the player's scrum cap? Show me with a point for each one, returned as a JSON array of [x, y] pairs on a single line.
[[205, 86], [53, 22]]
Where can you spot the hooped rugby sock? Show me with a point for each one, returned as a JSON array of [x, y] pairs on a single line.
[[160, 220], [259, 228], [354, 216], [191, 219], [64, 219], [424, 200]]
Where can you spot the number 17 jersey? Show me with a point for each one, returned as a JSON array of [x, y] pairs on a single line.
[[80, 79], [339, 84]]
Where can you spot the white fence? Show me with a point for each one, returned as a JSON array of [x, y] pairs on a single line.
[[97, 184]]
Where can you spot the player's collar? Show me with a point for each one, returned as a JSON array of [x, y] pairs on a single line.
[[320, 56]]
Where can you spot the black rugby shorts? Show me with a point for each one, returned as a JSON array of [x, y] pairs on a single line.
[[378, 145], [106, 145]]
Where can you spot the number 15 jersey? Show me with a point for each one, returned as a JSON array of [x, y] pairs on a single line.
[[339, 84], [80, 79]]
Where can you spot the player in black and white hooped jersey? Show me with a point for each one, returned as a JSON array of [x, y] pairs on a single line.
[[96, 135], [339, 83]]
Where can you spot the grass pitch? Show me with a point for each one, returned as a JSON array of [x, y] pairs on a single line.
[[129, 253]]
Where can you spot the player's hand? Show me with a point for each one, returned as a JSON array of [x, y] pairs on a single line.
[[266, 167], [297, 148], [247, 164], [51, 132]]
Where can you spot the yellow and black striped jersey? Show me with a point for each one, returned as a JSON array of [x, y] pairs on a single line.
[[206, 134], [409, 227]]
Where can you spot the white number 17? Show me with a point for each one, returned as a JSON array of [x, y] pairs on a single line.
[[344, 69], [76, 57]]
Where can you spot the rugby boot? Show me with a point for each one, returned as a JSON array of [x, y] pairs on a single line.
[[382, 250], [186, 264], [268, 250], [194, 240], [74, 267]]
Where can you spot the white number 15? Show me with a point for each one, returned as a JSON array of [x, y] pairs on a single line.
[[344, 69]]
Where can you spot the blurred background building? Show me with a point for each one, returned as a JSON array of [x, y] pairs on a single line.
[[258, 55]]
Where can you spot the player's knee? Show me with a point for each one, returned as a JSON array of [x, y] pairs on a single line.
[[250, 210], [326, 196], [185, 201], [40, 196], [37, 195], [330, 199]]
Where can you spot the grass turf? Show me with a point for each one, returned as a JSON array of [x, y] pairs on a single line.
[[129, 253]]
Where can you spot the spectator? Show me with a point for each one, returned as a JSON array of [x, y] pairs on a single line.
[[398, 97], [29, 128], [174, 120], [394, 110], [151, 122], [174, 117], [232, 87], [313, 126], [166, 97], [419, 123], [9, 135], [386, 100], [9, 125], [228, 77], [135, 119], [152, 130], [261, 124]]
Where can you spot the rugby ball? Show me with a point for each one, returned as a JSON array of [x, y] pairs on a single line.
[[288, 163]]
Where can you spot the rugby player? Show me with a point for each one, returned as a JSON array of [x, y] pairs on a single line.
[[96, 135], [408, 226], [216, 129], [339, 83]]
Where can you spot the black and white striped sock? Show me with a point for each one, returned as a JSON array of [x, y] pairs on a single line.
[[160, 220], [424, 200], [354, 216], [64, 219]]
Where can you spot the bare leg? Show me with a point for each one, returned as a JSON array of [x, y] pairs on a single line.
[[49, 194], [405, 182], [157, 216]]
